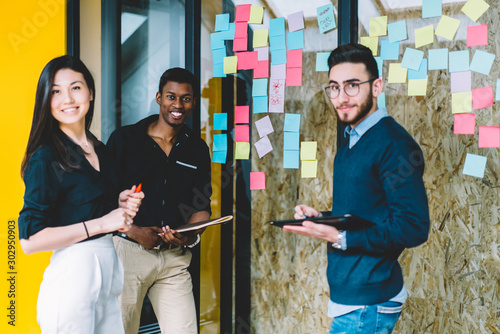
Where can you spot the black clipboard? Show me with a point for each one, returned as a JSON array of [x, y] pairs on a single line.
[[343, 222], [204, 223]]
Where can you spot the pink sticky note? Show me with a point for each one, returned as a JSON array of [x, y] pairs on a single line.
[[465, 124], [241, 114], [247, 60], [294, 76], [482, 97], [489, 136], [477, 35], [262, 70], [295, 21], [240, 44], [461, 82], [257, 180], [242, 13], [240, 30], [242, 133], [294, 58]]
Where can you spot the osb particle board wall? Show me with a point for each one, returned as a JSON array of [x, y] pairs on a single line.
[[453, 279]]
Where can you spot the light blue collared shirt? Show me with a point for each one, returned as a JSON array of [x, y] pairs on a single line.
[[334, 309], [365, 125]]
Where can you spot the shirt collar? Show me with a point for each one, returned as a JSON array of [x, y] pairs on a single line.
[[367, 123], [143, 125]]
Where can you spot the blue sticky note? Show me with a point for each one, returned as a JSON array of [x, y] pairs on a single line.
[[482, 62], [381, 100], [216, 41], [260, 104], [432, 8], [474, 165], [412, 59], [292, 122], [278, 57], [222, 22], [219, 157], [277, 27], [438, 59], [421, 73], [277, 43], [388, 50], [322, 61], [220, 121], [259, 87], [326, 18], [397, 31], [296, 40], [228, 34], [459, 61], [380, 65], [219, 71], [291, 159], [497, 95], [291, 141], [218, 55], [220, 142]]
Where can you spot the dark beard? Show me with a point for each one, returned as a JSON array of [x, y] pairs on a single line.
[[364, 110]]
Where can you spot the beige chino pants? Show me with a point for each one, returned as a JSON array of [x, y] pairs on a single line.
[[163, 276]]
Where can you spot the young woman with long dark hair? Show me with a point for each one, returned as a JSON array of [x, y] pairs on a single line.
[[72, 205]]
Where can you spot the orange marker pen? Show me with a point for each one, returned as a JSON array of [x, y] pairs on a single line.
[[138, 189]]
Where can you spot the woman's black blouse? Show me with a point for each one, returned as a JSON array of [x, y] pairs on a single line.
[[57, 196]]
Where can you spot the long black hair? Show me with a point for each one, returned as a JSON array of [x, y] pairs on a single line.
[[44, 127]]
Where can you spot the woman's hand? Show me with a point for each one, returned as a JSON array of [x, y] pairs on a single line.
[[130, 200], [116, 220]]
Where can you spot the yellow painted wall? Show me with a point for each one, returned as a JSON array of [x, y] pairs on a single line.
[[32, 32]]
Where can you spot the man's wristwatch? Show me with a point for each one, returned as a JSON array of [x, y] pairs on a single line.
[[196, 242], [338, 244]]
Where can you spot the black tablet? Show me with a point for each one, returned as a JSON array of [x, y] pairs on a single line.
[[344, 222]]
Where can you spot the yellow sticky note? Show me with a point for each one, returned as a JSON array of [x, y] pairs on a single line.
[[461, 102], [308, 150], [378, 26], [309, 168], [256, 14], [230, 64], [475, 8], [417, 87], [447, 27], [397, 74], [424, 36], [371, 43], [242, 151], [260, 38]]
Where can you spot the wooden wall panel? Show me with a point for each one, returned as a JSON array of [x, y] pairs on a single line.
[[453, 279]]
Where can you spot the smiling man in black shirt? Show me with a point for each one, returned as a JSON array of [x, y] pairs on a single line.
[[173, 165]]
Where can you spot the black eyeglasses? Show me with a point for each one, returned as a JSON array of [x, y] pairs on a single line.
[[351, 89]]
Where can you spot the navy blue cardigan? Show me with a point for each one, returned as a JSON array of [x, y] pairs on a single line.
[[379, 179]]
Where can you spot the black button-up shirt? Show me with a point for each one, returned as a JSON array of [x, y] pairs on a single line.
[[57, 196], [175, 186]]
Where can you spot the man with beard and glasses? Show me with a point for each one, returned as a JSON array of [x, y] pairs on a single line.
[[173, 165], [377, 176]]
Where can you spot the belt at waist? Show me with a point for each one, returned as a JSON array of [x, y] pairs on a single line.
[[163, 245]]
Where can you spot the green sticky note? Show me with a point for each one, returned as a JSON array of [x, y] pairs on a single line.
[[461, 102], [308, 150], [242, 151], [309, 168], [417, 87], [256, 14], [230, 64], [397, 74], [260, 38], [378, 26], [447, 27], [371, 43], [475, 8], [424, 36]]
